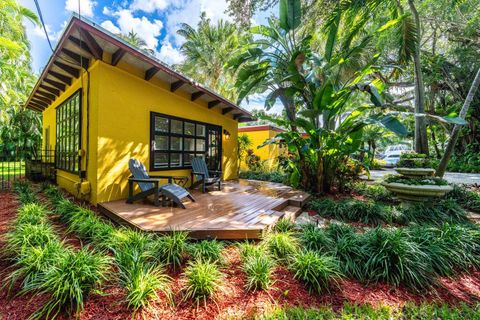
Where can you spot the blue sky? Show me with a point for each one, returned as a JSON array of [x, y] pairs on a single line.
[[156, 21]]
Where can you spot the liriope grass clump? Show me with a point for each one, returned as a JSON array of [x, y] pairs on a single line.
[[71, 279], [282, 245], [203, 280], [349, 249], [171, 249], [470, 200], [445, 210], [375, 192], [257, 264], [395, 258], [207, 250], [315, 238], [44, 264], [136, 254], [318, 272], [24, 191], [285, 225]]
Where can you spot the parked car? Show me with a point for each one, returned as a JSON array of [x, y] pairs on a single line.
[[392, 159]]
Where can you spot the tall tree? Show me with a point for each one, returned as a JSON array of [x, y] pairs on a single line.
[[207, 48], [132, 38], [456, 129], [19, 128]]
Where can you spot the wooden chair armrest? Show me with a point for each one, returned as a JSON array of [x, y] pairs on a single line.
[[199, 173], [144, 180], [169, 178]]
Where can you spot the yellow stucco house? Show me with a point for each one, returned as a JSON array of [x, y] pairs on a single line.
[[104, 102], [258, 135]]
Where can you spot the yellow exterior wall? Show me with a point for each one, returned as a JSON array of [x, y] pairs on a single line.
[[268, 154], [125, 102], [65, 179], [119, 128]]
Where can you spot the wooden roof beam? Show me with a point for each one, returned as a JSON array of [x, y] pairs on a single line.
[[226, 110], [80, 60], [60, 86], [151, 72], [96, 50], [79, 43], [65, 79], [213, 103], [40, 103], [176, 85], [117, 56], [197, 95], [68, 69], [46, 100], [46, 95], [237, 115], [35, 106], [244, 119], [53, 91]]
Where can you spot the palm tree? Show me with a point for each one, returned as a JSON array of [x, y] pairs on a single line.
[[207, 49], [133, 39]]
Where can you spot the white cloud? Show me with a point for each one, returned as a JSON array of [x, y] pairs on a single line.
[[169, 54], [149, 6], [52, 35], [107, 11], [85, 8], [143, 27], [107, 24], [188, 11]]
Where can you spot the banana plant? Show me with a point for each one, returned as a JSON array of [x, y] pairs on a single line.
[[327, 104]]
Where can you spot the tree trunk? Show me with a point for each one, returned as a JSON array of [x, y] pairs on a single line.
[[421, 139], [435, 144], [456, 129]]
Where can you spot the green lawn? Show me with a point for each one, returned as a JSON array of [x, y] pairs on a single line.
[[9, 170]]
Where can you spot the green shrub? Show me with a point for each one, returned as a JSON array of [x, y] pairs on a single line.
[[70, 280], [315, 270], [367, 212], [349, 249], [273, 176], [258, 269], [470, 200], [31, 213], [395, 258], [24, 191], [29, 235], [203, 280], [285, 225], [141, 278], [314, 238], [449, 247], [375, 192], [87, 225], [172, 248], [281, 245], [33, 262], [248, 250], [415, 181], [446, 210], [207, 250]]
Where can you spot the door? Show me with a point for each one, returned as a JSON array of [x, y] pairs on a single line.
[[214, 148]]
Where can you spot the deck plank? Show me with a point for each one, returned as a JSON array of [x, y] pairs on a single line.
[[241, 209]]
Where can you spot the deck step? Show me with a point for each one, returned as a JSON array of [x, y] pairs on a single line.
[[291, 212], [298, 199]]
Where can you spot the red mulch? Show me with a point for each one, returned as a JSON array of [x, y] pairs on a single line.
[[232, 301]]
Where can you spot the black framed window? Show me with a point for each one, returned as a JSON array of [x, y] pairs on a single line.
[[175, 141], [68, 133]]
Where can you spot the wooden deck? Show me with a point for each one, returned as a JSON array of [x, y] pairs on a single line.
[[241, 210]]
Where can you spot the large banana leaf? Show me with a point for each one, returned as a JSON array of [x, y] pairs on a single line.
[[290, 14]]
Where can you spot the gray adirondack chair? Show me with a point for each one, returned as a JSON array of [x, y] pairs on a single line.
[[204, 177], [151, 185]]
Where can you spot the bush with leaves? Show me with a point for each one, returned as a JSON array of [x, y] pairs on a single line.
[[282, 245], [172, 248], [315, 238], [395, 258], [318, 271], [204, 279], [207, 250], [375, 192], [470, 200], [259, 270]]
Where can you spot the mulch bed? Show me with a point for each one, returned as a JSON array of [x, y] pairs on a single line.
[[233, 301]]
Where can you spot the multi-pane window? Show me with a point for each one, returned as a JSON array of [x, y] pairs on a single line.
[[68, 133], [175, 141]]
